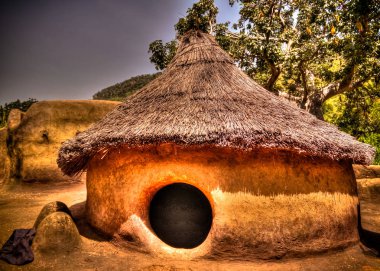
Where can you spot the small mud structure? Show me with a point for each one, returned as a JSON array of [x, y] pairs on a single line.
[[272, 180]]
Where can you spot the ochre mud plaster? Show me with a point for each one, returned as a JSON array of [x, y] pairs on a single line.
[[265, 204], [249, 226], [36, 136]]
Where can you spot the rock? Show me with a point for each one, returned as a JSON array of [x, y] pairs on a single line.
[[14, 119], [375, 169], [57, 233], [52, 207], [369, 189], [369, 196], [366, 172]]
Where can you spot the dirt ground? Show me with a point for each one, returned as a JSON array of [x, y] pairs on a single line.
[[21, 204]]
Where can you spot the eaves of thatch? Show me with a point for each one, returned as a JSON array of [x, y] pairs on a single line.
[[202, 98]]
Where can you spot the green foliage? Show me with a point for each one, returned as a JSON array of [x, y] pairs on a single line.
[[358, 113], [374, 140], [120, 91], [264, 27], [22, 105], [201, 16], [162, 54], [313, 50], [324, 53], [291, 45]]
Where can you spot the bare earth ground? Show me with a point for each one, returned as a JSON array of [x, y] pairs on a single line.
[[21, 204]]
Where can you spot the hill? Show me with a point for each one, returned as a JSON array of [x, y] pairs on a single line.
[[120, 91]]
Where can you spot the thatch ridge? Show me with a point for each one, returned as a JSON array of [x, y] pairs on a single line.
[[202, 98]]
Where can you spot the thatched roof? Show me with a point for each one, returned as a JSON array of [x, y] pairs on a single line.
[[202, 98]]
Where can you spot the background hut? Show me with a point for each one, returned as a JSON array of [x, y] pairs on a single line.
[[30, 144], [278, 181]]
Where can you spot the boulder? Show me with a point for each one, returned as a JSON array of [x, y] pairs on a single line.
[[369, 196], [14, 119], [52, 207], [375, 169], [57, 233], [369, 189]]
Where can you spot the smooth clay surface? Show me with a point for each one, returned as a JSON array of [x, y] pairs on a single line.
[[266, 204], [35, 137]]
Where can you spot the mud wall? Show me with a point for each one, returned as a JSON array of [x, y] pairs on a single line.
[[5, 163], [265, 204], [367, 172], [33, 143]]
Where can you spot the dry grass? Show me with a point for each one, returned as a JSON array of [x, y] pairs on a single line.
[[203, 98]]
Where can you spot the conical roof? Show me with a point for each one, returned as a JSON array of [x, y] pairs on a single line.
[[203, 98]]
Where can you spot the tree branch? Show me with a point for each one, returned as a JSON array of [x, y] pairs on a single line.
[[304, 85], [336, 88], [275, 73]]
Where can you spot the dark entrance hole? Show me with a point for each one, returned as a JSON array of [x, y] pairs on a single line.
[[180, 215]]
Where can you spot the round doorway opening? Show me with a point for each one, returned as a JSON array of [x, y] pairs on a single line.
[[180, 215]]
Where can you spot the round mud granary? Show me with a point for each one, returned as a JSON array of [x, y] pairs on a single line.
[[265, 179]]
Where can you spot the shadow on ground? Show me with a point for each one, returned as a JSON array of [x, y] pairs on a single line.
[[85, 230]]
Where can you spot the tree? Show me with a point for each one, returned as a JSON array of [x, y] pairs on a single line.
[[358, 113], [312, 50], [201, 16], [162, 54], [120, 91], [293, 45], [323, 54]]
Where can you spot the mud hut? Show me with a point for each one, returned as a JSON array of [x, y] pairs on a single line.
[[203, 161], [35, 137]]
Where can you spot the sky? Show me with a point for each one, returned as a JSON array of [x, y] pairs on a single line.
[[70, 49]]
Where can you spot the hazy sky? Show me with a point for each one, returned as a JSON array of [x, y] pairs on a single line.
[[70, 49]]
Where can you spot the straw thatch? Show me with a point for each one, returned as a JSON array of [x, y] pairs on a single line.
[[202, 98]]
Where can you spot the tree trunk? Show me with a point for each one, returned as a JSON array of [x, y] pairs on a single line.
[[314, 105], [275, 73]]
